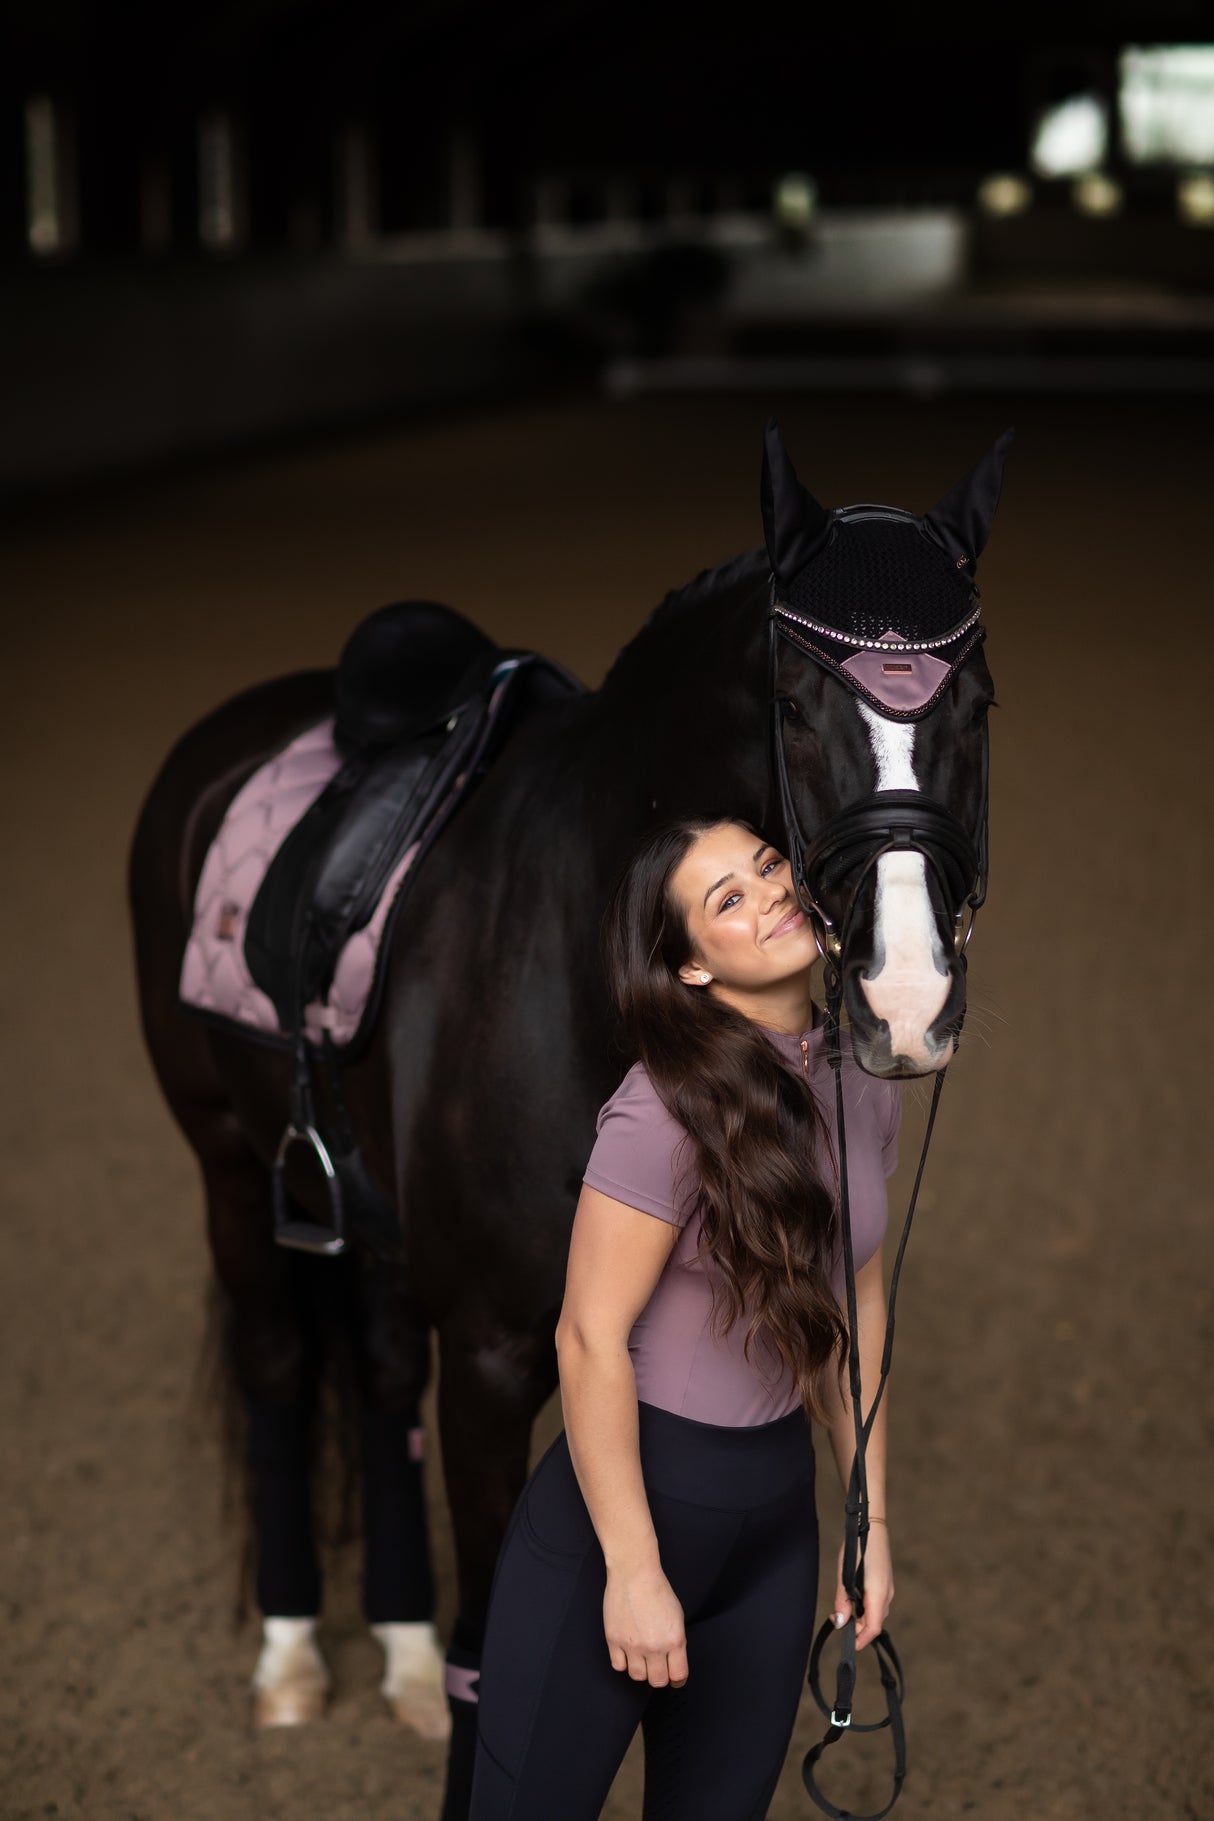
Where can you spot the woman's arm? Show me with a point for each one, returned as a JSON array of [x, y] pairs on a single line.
[[616, 1255], [878, 1576]]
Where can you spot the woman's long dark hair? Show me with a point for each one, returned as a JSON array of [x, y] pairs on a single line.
[[755, 1129]]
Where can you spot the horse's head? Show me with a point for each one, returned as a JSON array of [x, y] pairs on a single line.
[[880, 692]]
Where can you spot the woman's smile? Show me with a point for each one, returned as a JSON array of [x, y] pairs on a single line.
[[791, 920]]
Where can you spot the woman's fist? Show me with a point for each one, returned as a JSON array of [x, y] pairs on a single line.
[[878, 1588], [643, 1623]]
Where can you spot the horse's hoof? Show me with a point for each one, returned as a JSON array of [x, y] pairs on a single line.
[[290, 1683], [414, 1684], [424, 1710], [289, 1706]]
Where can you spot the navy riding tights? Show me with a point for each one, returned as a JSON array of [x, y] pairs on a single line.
[[737, 1532]]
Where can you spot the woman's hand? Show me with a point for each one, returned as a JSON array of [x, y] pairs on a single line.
[[878, 1587], [643, 1622]]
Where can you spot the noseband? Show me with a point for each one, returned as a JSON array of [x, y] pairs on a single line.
[[847, 848]]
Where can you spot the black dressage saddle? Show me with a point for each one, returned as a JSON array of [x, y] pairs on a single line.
[[423, 702]]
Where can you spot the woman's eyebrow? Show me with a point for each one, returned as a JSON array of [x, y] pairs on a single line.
[[726, 877]]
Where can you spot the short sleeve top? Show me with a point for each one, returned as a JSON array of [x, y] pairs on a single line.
[[642, 1156]]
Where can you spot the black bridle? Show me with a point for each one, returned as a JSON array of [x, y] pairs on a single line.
[[845, 849], [886, 821]]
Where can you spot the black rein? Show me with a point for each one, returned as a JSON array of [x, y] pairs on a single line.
[[851, 843]]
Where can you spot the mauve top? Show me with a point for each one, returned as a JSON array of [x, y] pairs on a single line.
[[679, 1364]]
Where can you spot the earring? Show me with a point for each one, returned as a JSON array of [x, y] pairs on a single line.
[[703, 979]]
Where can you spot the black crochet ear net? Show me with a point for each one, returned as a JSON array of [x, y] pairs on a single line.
[[880, 575], [867, 569]]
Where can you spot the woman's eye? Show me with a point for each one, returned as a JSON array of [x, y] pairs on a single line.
[[732, 899], [778, 861]]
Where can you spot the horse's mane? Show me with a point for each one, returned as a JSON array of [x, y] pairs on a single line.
[[710, 584]]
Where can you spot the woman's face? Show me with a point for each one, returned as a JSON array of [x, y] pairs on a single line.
[[743, 923]]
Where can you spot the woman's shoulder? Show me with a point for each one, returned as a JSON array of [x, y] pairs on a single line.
[[637, 1099], [637, 1156]]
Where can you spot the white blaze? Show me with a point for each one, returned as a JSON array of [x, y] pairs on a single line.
[[912, 983]]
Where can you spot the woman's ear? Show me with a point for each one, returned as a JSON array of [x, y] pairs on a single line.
[[693, 973]]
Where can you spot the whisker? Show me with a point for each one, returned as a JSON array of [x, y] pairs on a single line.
[[976, 1003]]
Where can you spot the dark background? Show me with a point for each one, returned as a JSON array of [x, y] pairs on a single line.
[[435, 204]]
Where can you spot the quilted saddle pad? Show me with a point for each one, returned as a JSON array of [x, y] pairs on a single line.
[[215, 979]]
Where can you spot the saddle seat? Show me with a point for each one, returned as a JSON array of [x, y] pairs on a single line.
[[402, 670]]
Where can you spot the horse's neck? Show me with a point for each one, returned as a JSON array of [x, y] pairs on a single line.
[[683, 713], [678, 727]]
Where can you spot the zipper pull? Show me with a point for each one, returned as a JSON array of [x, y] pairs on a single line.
[[805, 1057]]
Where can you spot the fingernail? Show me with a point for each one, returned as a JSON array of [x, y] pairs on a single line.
[[840, 1619]]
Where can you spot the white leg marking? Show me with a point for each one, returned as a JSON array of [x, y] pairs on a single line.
[[413, 1677], [912, 985], [290, 1682]]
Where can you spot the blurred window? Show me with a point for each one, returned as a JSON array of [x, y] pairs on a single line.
[[50, 178], [218, 201], [1166, 100], [1071, 137]]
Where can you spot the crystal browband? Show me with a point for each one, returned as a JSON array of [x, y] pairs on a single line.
[[847, 638]]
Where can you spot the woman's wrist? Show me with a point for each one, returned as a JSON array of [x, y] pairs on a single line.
[[633, 1561]]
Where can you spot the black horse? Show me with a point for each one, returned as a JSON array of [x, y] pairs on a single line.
[[475, 1102]]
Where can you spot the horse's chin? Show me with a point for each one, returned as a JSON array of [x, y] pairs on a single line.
[[870, 1047]]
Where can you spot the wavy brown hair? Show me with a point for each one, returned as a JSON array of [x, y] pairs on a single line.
[[754, 1127]]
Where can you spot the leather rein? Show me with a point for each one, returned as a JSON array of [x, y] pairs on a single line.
[[848, 847]]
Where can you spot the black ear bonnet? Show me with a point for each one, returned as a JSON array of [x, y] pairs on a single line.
[[876, 575], [851, 585]]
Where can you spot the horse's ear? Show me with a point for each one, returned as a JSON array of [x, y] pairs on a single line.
[[962, 521], [794, 524]]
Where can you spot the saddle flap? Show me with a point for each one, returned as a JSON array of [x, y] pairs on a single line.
[[327, 878], [321, 885]]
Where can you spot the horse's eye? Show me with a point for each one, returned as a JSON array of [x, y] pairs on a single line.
[[791, 710]]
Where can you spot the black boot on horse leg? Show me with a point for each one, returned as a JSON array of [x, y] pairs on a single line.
[[490, 1393], [391, 1334], [398, 1582], [291, 1681], [271, 1352]]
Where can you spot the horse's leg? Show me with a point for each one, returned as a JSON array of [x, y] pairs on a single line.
[[392, 1337], [272, 1359], [491, 1387]]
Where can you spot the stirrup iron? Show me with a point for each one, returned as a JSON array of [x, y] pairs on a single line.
[[308, 1235]]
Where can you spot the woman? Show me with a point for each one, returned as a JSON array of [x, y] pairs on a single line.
[[661, 1566]]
